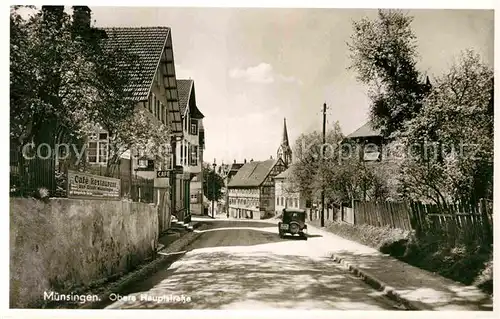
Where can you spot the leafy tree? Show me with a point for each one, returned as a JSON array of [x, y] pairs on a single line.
[[212, 184], [65, 79], [383, 53], [307, 174], [455, 128]]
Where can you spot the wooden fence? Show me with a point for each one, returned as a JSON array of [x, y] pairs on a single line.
[[392, 214], [469, 221]]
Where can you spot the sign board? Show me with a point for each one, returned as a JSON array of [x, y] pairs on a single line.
[[161, 182], [162, 174], [88, 186]]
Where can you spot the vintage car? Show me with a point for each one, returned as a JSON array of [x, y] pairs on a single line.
[[293, 222]]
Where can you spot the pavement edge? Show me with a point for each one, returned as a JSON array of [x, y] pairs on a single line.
[[148, 269], [378, 284]]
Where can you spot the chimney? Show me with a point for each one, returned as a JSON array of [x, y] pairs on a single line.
[[251, 160], [271, 157], [53, 16], [81, 20], [245, 161], [234, 161], [81, 16]]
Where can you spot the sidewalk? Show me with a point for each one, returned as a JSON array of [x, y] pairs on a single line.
[[417, 288]]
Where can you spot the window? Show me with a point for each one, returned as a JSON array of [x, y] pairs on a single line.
[[182, 154], [194, 127], [282, 201], [296, 202], [194, 155], [97, 148], [277, 201]]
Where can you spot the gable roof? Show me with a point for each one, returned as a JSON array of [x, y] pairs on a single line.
[[252, 174], [286, 173], [366, 130], [145, 42], [149, 44], [186, 89]]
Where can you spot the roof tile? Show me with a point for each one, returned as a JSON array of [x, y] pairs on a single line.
[[252, 174], [145, 42]]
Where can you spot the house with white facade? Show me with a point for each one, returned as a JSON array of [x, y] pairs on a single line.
[[190, 149]]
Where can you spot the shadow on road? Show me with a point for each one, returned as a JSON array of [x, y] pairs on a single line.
[[221, 280]]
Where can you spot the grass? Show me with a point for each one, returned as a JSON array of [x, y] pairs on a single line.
[[467, 262]]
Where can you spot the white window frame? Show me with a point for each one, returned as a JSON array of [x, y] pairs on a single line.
[[193, 124], [96, 138], [194, 155]]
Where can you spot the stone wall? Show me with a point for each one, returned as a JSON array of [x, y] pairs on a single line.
[[66, 243]]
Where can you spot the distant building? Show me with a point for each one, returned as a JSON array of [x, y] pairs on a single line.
[[228, 171], [251, 190], [284, 150], [369, 142], [285, 195], [371, 148], [190, 151]]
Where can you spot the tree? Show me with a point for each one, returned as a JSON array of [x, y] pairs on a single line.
[[212, 184], [66, 79], [383, 53], [307, 175], [455, 127]]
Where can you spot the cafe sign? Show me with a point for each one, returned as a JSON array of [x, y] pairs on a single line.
[[88, 186]]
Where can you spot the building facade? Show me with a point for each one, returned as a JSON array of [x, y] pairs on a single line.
[[285, 195], [228, 171], [251, 190], [190, 150], [155, 90]]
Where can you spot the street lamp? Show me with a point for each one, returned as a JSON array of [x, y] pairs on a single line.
[[213, 188]]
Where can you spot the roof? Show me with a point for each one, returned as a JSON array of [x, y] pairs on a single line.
[[236, 166], [366, 130], [149, 45], [185, 89], [145, 42], [252, 174], [286, 173]]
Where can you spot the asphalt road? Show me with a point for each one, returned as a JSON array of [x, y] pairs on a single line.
[[245, 265]]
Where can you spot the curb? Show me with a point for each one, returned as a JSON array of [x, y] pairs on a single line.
[[148, 269], [378, 284]]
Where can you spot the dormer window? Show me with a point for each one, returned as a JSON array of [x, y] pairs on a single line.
[[194, 127]]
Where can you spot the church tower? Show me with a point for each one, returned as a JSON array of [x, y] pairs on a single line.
[[285, 151]]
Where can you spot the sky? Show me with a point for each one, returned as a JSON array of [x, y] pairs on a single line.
[[254, 67]]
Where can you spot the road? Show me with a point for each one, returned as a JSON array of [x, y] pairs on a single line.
[[240, 264]]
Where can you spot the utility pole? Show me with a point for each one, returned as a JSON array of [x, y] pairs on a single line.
[[323, 162]]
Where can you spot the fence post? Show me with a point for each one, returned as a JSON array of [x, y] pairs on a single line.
[[487, 230], [354, 218]]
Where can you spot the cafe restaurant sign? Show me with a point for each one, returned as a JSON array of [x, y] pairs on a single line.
[[87, 186]]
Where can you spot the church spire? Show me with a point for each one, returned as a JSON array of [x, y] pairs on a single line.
[[285, 133], [284, 150]]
